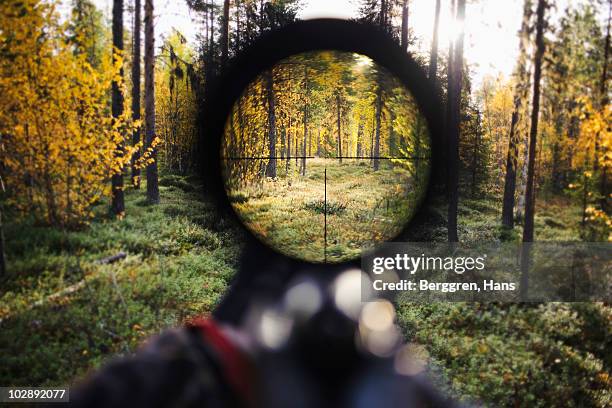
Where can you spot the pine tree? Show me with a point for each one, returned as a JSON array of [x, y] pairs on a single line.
[[433, 56], [152, 181], [118, 204], [520, 93], [136, 92], [454, 108]]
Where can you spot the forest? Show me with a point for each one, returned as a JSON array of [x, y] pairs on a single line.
[[311, 129], [104, 216]]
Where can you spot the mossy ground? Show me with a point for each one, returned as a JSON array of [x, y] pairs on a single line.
[[180, 257], [535, 355]]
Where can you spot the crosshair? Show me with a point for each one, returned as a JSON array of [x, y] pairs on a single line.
[[299, 151]]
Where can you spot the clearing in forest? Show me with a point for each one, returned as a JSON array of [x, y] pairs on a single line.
[[331, 213]]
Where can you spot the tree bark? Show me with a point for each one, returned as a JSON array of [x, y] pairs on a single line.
[[339, 128], [433, 56], [136, 92], [454, 127], [404, 38], [359, 139], [376, 153], [603, 186], [383, 14], [305, 141], [475, 148], [117, 204], [152, 182], [444, 170], [225, 33], [305, 119], [513, 141], [533, 133], [283, 134], [271, 168], [510, 178], [288, 155], [2, 253]]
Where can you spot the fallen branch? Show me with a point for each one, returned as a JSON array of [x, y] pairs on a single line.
[[112, 259]]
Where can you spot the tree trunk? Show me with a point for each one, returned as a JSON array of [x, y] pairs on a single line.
[[305, 142], [510, 179], [271, 168], [520, 205], [404, 38], [283, 135], [372, 132], [237, 42], [2, 253], [383, 14], [225, 33], [211, 27], [376, 153], [136, 92], [305, 119], [513, 140], [454, 101], [359, 139], [288, 155], [585, 195], [152, 182], [444, 170], [533, 133], [118, 204], [433, 56], [339, 128], [603, 186], [475, 148]]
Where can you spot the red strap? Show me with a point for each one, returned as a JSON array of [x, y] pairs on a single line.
[[236, 365]]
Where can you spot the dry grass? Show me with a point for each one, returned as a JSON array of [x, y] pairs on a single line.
[[363, 207]]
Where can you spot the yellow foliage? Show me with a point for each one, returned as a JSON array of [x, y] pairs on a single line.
[[595, 141], [60, 144]]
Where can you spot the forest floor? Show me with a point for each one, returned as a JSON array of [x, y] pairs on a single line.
[[363, 206], [180, 258], [181, 255], [536, 355]]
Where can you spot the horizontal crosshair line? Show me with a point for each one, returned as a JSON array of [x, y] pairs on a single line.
[[331, 158], [268, 157], [379, 158]]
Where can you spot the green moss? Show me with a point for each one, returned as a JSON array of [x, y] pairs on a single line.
[[176, 267]]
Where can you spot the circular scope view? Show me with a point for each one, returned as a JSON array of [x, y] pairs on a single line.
[[325, 155]]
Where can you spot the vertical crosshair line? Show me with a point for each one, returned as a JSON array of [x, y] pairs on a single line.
[[325, 218]]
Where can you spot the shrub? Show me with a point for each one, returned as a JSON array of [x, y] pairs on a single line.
[[322, 206]]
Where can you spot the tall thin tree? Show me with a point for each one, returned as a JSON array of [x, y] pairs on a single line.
[[2, 252], [378, 113], [338, 125], [433, 56], [225, 33], [152, 181], [271, 167], [603, 91], [404, 36], [117, 203], [520, 92], [136, 91], [454, 115], [533, 132]]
